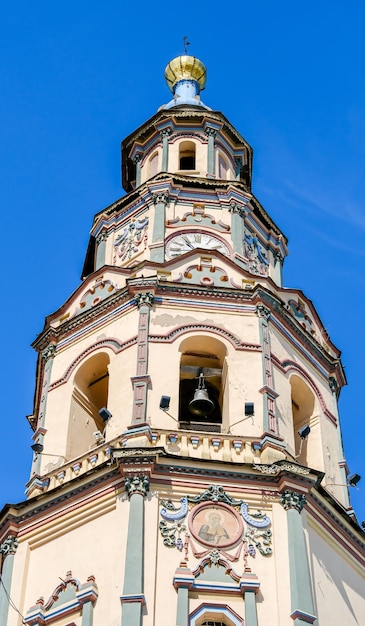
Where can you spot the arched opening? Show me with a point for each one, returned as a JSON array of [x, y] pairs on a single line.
[[303, 406], [201, 387], [90, 394], [222, 167], [187, 155], [153, 165]]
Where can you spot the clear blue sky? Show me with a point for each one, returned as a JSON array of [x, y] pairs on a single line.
[[77, 77]]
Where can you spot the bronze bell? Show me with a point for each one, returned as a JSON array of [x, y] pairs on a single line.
[[201, 405]]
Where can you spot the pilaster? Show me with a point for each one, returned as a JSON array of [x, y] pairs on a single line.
[[211, 133], [342, 463], [165, 134], [137, 161], [133, 600], [160, 201], [238, 214], [278, 268], [38, 437], [141, 381], [7, 551], [100, 249], [302, 611], [268, 392]]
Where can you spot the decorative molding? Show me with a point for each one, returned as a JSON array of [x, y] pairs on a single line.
[[263, 311], [46, 613], [214, 493], [9, 545], [257, 261], [287, 366], [210, 131], [103, 236], [165, 132], [278, 258], [237, 208], [187, 328], [292, 500], [161, 198], [49, 352], [258, 520], [274, 470], [260, 540], [128, 242], [112, 344], [146, 297], [137, 484], [172, 513]]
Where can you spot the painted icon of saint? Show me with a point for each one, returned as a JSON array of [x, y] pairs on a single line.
[[214, 531]]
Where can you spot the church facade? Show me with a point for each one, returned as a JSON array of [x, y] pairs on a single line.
[[188, 467]]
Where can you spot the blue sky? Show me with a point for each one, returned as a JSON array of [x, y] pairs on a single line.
[[77, 77]]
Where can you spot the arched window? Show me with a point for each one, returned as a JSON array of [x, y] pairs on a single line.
[[222, 167], [187, 155], [90, 394], [153, 165], [215, 615], [303, 408], [201, 388]]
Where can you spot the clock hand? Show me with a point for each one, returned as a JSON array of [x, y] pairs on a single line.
[[188, 243]]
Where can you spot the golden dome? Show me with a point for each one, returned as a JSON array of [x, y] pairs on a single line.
[[185, 68]]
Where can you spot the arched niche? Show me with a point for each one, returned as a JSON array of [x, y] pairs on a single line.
[[223, 167], [152, 165], [205, 355], [303, 404], [89, 395]]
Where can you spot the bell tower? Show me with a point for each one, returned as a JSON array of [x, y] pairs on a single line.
[[186, 409]]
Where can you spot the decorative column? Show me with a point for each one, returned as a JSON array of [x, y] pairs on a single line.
[[302, 611], [7, 551], [160, 200], [38, 437], [269, 394], [342, 462], [165, 134], [211, 133], [278, 268], [141, 381], [238, 215], [133, 599], [137, 161], [100, 250]]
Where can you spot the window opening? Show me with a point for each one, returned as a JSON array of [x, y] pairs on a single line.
[[90, 394], [201, 394], [187, 155], [303, 403]]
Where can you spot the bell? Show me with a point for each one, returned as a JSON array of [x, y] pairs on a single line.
[[201, 405]]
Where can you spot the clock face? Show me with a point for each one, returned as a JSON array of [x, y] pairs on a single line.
[[184, 242]]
